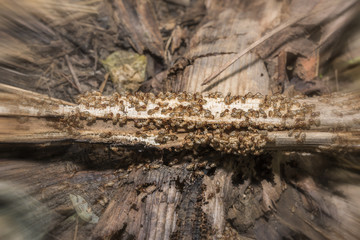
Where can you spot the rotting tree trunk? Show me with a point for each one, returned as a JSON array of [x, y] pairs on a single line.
[[328, 122], [231, 28], [159, 193], [182, 190]]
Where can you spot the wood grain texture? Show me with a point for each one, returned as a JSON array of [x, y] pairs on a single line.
[[36, 118], [137, 23], [229, 30], [299, 188], [217, 41]]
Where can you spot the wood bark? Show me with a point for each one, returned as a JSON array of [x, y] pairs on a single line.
[[162, 191], [31, 118], [296, 189]]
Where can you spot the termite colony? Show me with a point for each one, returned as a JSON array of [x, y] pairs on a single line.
[[71, 122], [231, 124]]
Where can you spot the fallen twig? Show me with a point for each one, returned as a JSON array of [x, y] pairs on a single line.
[[71, 82], [76, 80], [102, 86]]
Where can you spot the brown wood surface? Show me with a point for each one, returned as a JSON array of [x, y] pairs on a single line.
[[26, 117], [306, 189]]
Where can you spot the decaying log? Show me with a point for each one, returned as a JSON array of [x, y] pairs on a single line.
[[178, 197], [238, 45], [186, 165], [231, 124]]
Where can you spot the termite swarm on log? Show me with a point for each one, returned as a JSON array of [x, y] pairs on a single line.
[[231, 124]]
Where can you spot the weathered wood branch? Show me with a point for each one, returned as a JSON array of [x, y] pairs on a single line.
[[232, 124]]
